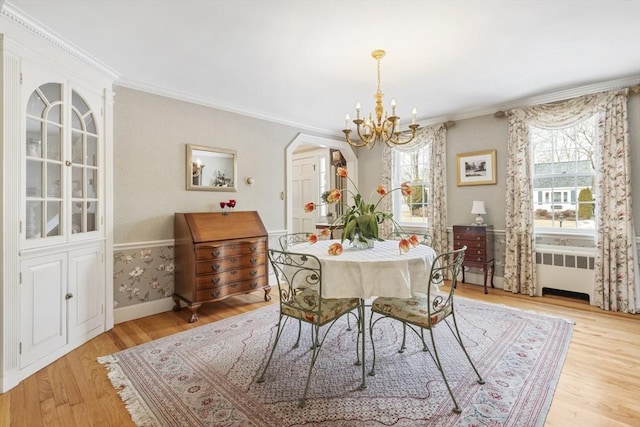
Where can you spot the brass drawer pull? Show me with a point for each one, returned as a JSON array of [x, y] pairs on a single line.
[[215, 267], [253, 248], [215, 253], [253, 261], [215, 293], [254, 284], [215, 280], [233, 272], [253, 272]]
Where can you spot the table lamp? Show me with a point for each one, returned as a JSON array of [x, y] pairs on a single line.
[[478, 209]]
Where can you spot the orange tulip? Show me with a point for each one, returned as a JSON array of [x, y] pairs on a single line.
[[333, 196], [335, 249], [406, 189], [404, 246], [325, 232], [381, 190], [342, 172], [413, 239], [312, 239], [309, 207]]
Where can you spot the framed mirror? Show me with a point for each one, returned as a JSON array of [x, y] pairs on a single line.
[[210, 168]]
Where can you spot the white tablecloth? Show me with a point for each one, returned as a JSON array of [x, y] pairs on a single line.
[[381, 271]]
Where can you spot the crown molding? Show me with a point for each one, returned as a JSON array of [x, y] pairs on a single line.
[[559, 95], [22, 20], [194, 99]]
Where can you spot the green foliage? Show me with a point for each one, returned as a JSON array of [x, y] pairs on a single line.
[[585, 210]]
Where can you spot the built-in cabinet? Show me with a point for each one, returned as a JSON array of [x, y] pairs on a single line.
[[57, 212]]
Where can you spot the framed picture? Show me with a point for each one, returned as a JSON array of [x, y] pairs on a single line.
[[476, 168]]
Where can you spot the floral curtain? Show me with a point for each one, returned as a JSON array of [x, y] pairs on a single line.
[[616, 267], [437, 213]]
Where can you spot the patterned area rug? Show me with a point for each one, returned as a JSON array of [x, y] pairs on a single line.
[[206, 376]]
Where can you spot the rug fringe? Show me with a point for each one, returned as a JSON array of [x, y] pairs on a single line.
[[140, 413]]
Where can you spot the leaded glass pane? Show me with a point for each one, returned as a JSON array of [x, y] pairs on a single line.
[[76, 147], [54, 180], [92, 183], [76, 218], [34, 178], [54, 114], [34, 138], [34, 220], [79, 103], [76, 177], [76, 121], [53, 218], [90, 124], [54, 142], [35, 105], [92, 208], [52, 92], [92, 151]]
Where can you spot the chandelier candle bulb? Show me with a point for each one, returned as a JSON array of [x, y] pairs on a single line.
[[414, 113], [384, 127], [346, 121]]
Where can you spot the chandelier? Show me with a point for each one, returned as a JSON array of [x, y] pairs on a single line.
[[379, 129]]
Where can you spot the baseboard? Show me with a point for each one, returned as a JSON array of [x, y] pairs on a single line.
[[132, 312]]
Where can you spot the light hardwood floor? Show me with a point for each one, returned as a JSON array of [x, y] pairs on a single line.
[[599, 384]]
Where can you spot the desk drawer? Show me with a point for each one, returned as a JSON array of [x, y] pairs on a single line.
[[243, 286], [239, 274], [218, 265], [206, 251]]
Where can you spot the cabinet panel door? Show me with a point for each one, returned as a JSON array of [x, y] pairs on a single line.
[[86, 290], [43, 329]]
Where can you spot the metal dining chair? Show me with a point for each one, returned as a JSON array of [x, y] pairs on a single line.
[[425, 312], [299, 278]]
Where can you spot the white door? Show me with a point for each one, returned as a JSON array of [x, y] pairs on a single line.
[[85, 302], [44, 313], [305, 189]]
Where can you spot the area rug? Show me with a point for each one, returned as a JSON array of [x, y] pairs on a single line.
[[207, 376]]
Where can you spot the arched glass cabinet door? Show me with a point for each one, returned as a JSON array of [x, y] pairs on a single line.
[[44, 166], [84, 167], [62, 187]]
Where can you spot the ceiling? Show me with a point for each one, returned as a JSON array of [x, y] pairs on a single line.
[[306, 63]]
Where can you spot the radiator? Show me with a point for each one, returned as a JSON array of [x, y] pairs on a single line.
[[566, 269]]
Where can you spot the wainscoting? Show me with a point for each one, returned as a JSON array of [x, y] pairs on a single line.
[[143, 277]]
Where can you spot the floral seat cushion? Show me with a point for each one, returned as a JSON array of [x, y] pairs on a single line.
[[413, 310], [306, 306]]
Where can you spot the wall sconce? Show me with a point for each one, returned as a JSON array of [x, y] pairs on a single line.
[[479, 210]]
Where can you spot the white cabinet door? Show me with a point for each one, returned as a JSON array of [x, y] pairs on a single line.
[[85, 303], [44, 309], [305, 190]]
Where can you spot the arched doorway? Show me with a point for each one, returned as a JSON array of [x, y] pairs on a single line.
[[303, 140]]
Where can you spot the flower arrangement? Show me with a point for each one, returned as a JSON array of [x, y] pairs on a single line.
[[360, 221]]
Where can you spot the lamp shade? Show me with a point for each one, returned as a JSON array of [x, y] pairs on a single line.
[[478, 207]]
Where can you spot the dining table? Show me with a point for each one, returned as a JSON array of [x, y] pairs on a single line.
[[379, 271]]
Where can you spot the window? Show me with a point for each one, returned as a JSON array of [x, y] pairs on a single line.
[[412, 167], [564, 176]]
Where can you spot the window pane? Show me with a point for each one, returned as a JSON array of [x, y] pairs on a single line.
[[76, 179], [563, 170], [92, 183], [76, 121], [34, 138], [90, 124], [79, 103]]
